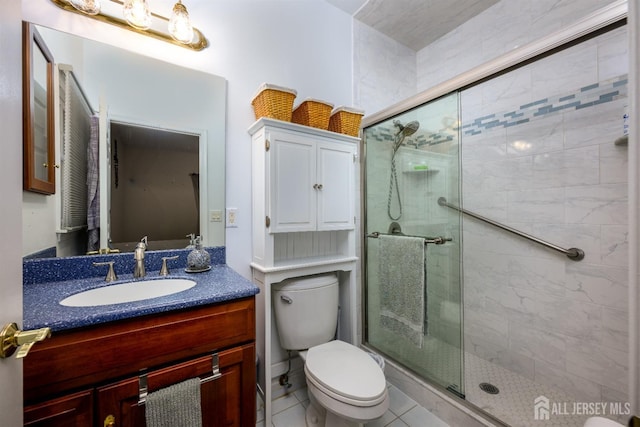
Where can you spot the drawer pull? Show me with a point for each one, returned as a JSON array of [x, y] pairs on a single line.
[[110, 421]]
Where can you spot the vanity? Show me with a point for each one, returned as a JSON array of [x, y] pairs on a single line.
[[101, 361]]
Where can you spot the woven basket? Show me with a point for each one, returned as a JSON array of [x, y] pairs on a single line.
[[312, 112], [273, 101], [346, 121]]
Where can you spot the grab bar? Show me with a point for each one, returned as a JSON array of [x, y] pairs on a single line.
[[437, 240], [574, 254]]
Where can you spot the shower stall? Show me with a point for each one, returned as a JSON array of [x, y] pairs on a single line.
[[495, 236]]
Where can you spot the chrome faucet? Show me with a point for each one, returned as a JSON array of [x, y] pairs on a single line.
[[138, 255]]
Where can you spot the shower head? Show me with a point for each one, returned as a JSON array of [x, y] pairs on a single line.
[[410, 128], [404, 131]]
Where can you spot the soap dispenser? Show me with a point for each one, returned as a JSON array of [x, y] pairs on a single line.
[[198, 259], [192, 241]]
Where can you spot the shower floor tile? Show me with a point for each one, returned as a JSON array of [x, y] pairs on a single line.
[[513, 405]]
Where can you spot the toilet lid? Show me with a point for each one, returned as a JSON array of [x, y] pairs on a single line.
[[346, 371]]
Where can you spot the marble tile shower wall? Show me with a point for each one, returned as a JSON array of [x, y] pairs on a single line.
[[496, 31], [538, 154]]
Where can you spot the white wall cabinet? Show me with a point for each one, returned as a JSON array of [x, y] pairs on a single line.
[[303, 207], [311, 183]]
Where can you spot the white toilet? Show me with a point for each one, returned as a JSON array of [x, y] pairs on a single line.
[[346, 386]]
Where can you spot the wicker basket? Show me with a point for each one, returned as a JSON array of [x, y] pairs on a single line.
[[346, 120], [312, 112], [273, 101]]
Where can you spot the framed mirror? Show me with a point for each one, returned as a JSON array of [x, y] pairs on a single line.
[[168, 110], [38, 113]]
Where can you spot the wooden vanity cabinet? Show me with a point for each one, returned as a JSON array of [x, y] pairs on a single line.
[[90, 373], [72, 410], [221, 399]]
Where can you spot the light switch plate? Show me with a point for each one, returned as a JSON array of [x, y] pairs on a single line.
[[215, 216]]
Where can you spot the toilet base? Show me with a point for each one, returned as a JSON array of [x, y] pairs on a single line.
[[317, 414]]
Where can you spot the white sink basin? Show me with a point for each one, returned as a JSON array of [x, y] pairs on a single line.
[[128, 292]]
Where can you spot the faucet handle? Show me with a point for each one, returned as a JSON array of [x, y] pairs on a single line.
[[164, 271], [111, 274]]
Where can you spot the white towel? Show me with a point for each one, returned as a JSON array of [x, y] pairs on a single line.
[[402, 286], [175, 406]]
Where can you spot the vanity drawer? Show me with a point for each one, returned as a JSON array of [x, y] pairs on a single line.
[[87, 356]]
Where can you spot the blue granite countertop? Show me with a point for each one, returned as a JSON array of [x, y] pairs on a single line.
[[42, 308]]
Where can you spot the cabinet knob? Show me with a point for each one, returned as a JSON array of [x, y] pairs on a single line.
[[11, 338], [319, 186], [315, 186], [110, 421]]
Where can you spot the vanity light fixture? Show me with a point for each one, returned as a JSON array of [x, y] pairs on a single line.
[[90, 7], [136, 16], [180, 26]]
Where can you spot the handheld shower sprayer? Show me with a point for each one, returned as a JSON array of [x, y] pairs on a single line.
[[403, 131]]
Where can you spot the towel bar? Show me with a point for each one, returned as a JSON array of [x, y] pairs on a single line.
[[436, 240], [143, 389]]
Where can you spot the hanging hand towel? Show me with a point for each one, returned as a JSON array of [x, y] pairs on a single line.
[[175, 406], [93, 188], [402, 285]]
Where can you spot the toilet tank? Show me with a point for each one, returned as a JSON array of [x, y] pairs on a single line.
[[306, 310]]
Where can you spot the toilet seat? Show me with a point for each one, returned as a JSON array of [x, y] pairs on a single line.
[[345, 373]]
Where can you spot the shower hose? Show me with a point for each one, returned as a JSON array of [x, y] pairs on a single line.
[[393, 181]]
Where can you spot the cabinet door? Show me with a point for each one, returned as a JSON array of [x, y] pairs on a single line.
[[226, 401], [292, 196], [335, 191], [67, 411]]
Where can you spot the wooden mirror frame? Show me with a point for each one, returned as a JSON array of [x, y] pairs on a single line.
[[31, 40]]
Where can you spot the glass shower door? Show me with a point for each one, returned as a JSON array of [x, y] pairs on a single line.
[[412, 246]]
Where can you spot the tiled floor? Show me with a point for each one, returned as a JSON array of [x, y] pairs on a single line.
[[514, 405], [288, 411]]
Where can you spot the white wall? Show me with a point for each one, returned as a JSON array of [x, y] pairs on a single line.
[[251, 41]]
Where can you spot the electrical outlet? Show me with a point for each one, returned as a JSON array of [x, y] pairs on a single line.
[[232, 217], [215, 216]]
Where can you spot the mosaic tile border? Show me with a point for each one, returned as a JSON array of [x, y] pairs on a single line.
[[584, 97]]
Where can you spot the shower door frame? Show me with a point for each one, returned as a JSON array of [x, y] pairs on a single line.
[[609, 17]]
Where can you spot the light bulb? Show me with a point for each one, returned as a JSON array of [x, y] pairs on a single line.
[[90, 7], [180, 26], [137, 13]]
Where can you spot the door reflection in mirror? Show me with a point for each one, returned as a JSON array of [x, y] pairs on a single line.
[[150, 166]]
